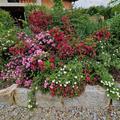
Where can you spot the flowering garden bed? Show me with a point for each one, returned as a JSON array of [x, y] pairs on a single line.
[[51, 56]]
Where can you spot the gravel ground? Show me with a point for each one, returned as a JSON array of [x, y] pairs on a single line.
[[8, 112]]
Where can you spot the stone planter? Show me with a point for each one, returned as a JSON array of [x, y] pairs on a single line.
[[7, 95], [93, 97]]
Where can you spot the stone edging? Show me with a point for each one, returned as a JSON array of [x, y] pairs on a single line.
[[93, 97]]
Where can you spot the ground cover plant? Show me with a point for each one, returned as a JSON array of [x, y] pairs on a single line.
[[61, 57]]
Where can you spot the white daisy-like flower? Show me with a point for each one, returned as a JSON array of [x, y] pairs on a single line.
[[29, 106], [65, 66], [36, 88], [75, 77], [75, 83], [53, 81], [65, 72]]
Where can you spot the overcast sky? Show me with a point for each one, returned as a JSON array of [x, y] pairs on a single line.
[[88, 3]]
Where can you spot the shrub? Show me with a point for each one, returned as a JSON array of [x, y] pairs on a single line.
[[115, 27], [82, 24], [7, 36], [116, 10], [39, 21], [92, 11], [33, 7], [6, 21]]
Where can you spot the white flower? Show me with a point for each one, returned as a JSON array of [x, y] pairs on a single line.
[[75, 77], [36, 88], [65, 72], [81, 76], [36, 103], [65, 66], [60, 84], [58, 75], [108, 95], [53, 81], [113, 92], [56, 82], [107, 89], [67, 82], [65, 85], [61, 69], [29, 106], [75, 83]]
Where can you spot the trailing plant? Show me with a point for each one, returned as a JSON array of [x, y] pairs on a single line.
[[107, 80]]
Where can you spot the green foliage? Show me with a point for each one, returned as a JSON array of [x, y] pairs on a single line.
[[92, 11], [115, 36], [33, 7], [57, 17], [115, 27], [7, 39], [7, 35], [116, 9], [7, 28], [6, 21], [69, 74], [82, 24], [107, 80], [58, 5], [104, 11]]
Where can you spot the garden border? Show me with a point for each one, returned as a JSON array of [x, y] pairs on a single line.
[[94, 97]]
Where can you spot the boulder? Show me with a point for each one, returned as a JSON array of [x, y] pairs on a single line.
[[93, 97], [7, 95], [21, 96]]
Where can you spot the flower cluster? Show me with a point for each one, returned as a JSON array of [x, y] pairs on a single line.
[[102, 34], [112, 90], [82, 49], [39, 21], [7, 39], [66, 82]]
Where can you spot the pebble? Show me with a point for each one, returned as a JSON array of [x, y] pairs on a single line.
[[14, 112]]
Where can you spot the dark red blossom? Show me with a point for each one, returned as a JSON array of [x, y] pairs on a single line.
[[39, 21], [102, 34], [85, 49], [41, 65]]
